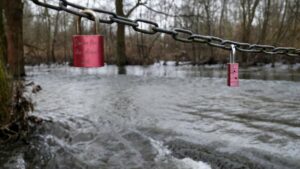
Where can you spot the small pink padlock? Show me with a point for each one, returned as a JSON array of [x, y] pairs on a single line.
[[233, 70]]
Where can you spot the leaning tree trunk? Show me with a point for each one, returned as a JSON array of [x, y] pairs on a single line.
[[3, 44], [121, 50], [14, 33]]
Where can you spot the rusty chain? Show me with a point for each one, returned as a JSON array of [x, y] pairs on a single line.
[[176, 33]]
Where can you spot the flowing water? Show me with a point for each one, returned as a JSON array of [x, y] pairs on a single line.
[[162, 117]]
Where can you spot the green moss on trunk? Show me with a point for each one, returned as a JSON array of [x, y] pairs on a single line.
[[6, 94], [3, 43], [14, 108]]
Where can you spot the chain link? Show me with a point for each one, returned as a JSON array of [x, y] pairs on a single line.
[[182, 31], [154, 25], [177, 33]]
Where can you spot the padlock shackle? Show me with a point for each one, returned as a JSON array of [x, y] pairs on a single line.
[[95, 17], [232, 54]]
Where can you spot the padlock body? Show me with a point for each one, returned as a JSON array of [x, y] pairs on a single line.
[[233, 74], [88, 51]]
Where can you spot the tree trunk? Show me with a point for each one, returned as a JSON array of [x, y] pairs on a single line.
[[248, 14], [296, 24], [53, 59], [14, 33], [121, 50], [281, 30], [222, 16], [265, 21], [3, 43], [207, 6], [65, 39], [48, 41]]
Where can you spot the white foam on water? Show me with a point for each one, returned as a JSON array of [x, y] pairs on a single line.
[[188, 163], [164, 154], [162, 150]]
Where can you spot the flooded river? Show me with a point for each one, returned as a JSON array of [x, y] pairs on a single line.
[[162, 117]]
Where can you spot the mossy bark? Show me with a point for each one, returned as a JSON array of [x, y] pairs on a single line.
[[5, 82], [14, 35], [14, 107], [3, 44], [6, 95]]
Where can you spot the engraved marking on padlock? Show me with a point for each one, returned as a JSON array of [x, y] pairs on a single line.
[[88, 50]]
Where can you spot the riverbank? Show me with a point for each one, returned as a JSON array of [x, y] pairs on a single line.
[[14, 108]]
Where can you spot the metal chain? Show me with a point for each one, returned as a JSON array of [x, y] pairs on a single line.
[[178, 34]]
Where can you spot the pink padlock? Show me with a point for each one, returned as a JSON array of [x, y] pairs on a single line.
[[233, 70], [88, 50]]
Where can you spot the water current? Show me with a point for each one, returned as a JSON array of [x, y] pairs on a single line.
[[162, 117]]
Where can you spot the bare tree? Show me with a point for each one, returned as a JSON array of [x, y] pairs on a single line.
[[280, 33], [222, 17], [54, 40], [47, 17], [121, 48], [274, 22], [266, 17], [296, 21], [248, 14], [65, 37], [14, 33], [208, 13]]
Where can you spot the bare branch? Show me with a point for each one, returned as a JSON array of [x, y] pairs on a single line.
[[170, 15], [139, 3]]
